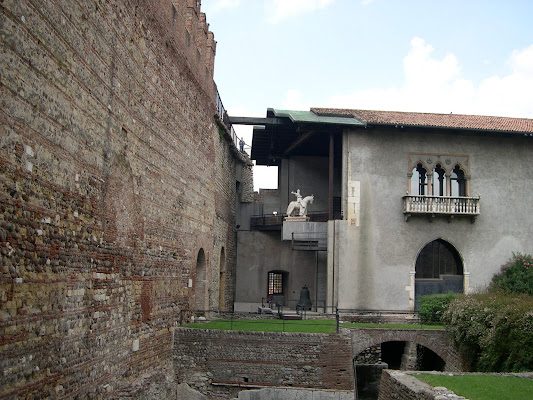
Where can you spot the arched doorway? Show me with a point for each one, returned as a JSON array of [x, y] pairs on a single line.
[[200, 282], [222, 280], [438, 269]]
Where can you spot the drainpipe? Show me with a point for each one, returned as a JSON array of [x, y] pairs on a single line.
[[331, 164]]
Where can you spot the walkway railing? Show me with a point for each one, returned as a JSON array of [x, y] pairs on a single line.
[[273, 222], [223, 114]]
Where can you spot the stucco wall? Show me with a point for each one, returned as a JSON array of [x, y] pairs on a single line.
[[310, 175], [375, 252], [261, 252]]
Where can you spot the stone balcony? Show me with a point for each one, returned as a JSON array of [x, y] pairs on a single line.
[[441, 206]]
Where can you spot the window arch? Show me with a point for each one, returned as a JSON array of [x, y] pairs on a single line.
[[438, 258], [438, 269], [419, 180], [222, 280], [438, 181], [458, 182], [200, 279]]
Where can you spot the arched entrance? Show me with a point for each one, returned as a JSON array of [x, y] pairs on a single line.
[[438, 269], [200, 282], [222, 280]]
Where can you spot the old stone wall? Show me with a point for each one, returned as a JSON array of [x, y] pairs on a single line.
[[113, 176], [215, 362], [437, 341], [401, 386]]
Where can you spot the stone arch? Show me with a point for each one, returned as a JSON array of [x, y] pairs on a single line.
[[200, 281], [439, 268], [437, 341], [222, 280]]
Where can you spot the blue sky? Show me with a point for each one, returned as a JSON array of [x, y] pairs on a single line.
[[465, 57]]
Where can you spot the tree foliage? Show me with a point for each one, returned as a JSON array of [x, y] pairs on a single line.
[[516, 276], [493, 331], [432, 307]]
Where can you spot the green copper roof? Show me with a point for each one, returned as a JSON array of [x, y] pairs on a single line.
[[310, 117]]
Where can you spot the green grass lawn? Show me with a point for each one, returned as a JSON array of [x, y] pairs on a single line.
[[484, 387], [308, 325], [269, 325]]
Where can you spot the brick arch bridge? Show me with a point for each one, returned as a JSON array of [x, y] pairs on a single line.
[[436, 340]]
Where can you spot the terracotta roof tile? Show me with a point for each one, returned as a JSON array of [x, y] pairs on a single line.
[[454, 121]]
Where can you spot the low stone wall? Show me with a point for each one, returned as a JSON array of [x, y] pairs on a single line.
[[294, 394], [213, 361], [399, 385]]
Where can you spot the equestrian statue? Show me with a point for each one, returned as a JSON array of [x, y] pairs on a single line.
[[300, 204]]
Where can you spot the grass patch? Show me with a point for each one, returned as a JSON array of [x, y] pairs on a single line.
[[390, 326], [305, 326], [269, 325], [484, 387]]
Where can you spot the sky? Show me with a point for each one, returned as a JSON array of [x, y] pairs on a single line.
[[464, 56]]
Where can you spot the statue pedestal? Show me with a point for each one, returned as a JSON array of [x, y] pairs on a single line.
[[298, 219]]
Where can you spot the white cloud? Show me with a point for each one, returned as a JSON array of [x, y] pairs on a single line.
[[277, 10], [293, 101], [437, 85], [366, 2]]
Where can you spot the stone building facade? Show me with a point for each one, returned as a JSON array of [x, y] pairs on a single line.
[[117, 192]]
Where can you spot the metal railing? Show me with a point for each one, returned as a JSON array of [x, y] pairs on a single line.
[[309, 240], [223, 114], [273, 221], [276, 323]]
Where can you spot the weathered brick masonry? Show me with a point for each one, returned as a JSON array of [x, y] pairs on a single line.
[[113, 176], [216, 361]]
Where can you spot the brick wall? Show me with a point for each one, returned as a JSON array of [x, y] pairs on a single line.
[[112, 178], [437, 341], [210, 360]]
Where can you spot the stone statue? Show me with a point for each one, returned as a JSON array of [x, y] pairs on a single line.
[[300, 204]]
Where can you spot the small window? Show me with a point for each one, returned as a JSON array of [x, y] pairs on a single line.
[[275, 283]]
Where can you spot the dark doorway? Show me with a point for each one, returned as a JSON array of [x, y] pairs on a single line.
[[439, 269]]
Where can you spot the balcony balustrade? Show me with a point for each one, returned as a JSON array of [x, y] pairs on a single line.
[[441, 205]]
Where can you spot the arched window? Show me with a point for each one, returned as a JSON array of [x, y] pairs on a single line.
[[439, 181], [458, 182], [419, 181], [438, 258]]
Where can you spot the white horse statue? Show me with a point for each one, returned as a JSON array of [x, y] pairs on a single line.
[[301, 206]]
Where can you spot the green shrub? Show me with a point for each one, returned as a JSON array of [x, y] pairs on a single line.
[[433, 306], [516, 276], [494, 332]]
